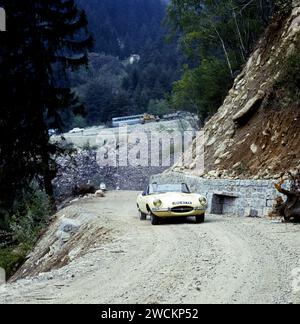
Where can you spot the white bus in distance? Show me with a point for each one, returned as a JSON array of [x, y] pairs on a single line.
[[128, 120]]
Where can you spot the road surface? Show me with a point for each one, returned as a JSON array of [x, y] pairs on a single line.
[[225, 260]]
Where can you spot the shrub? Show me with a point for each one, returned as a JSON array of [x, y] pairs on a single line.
[[11, 259], [31, 216], [290, 76], [25, 225], [78, 122], [283, 6], [159, 107]]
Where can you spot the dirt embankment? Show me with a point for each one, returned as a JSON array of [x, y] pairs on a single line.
[[124, 260], [256, 132]]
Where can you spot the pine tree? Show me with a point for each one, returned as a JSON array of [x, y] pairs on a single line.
[[44, 40]]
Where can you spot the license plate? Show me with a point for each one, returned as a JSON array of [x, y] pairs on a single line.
[[182, 203]]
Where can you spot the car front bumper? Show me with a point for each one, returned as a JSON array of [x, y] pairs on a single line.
[[167, 212]]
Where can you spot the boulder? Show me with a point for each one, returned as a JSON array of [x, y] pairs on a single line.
[[99, 194], [63, 237], [254, 148], [84, 190], [242, 117]]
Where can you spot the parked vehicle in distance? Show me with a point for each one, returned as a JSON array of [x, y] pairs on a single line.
[[127, 120], [170, 200], [177, 115], [53, 132], [148, 118], [76, 130], [134, 120]]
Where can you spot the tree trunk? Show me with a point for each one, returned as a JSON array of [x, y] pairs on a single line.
[[225, 52], [242, 46], [290, 209], [222, 43]]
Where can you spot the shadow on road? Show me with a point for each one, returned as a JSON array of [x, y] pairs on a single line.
[[188, 220]]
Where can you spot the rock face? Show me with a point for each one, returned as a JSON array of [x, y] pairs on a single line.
[[82, 168], [254, 134]]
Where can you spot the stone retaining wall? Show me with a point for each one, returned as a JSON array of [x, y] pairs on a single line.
[[234, 197]]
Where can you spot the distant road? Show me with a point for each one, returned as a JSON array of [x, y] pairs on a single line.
[[90, 134], [225, 260]]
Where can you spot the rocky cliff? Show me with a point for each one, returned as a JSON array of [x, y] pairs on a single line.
[[256, 132]]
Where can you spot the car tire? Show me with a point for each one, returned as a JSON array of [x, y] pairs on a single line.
[[154, 220], [200, 219], [143, 216]]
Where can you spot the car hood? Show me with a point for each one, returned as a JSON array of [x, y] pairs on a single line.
[[179, 198]]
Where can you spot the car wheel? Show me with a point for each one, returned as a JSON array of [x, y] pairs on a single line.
[[143, 216], [154, 220], [200, 219]]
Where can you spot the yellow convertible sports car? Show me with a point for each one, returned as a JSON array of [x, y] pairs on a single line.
[[170, 200]]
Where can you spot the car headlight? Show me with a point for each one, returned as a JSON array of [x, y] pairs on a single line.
[[157, 202], [203, 201]]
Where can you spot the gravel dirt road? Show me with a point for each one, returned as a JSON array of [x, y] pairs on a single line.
[[225, 260]]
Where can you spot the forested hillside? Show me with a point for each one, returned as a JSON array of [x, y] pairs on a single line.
[[123, 27], [118, 84]]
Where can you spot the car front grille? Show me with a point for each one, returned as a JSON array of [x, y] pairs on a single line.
[[182, 209]]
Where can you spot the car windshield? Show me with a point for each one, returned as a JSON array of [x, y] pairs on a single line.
[[156, 188]]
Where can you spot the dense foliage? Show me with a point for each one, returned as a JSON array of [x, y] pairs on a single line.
[[218, 37], [31, 215], [289, 79]]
